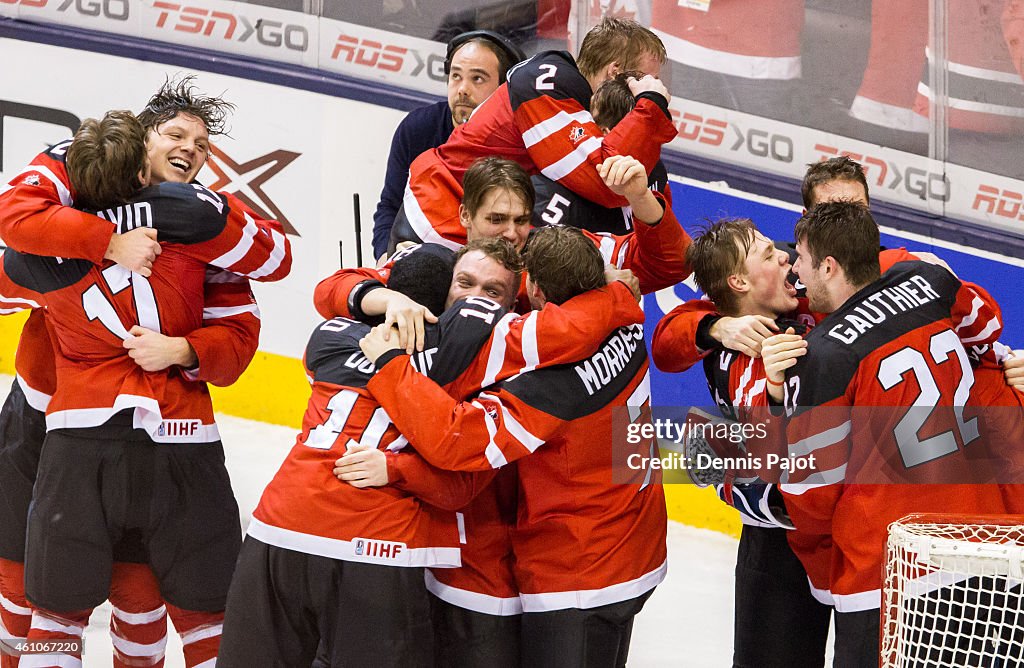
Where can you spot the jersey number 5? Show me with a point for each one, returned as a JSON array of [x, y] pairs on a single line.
[[913, 448]]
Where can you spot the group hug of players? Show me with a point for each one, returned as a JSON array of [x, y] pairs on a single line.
[[449, 500]]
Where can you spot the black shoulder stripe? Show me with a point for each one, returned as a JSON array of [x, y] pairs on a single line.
[[464, 328], [551, 73], [333, 354], [571, 391], [44, 274], [183, 213]]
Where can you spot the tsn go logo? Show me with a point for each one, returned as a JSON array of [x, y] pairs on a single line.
[[111, 9], [189, 19]]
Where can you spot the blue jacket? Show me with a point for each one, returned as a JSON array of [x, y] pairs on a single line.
[[423, 129]]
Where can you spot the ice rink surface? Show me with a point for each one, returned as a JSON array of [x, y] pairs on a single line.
[[687, 622]]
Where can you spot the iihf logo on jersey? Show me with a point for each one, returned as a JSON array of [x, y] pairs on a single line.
[[576, 134], [373, 550]]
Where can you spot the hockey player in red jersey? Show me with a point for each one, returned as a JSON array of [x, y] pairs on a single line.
[[655, 252], [556, 204], [896, 340], [384, 535], [777, 620], [225, 240], [540, 119], [587, 552]]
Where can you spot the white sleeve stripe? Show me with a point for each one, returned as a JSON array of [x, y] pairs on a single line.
[[818, 441], [531, 355], [276, 256], [620, 259], [640, 396], [976, 305], [214, 312], [744, 379], [529, 441], [495, 457], [28, 303], [607, 249], [547, 127], [62, 190], [234, 255], [561, 168], [421, 225], [496, 355], [815, 481], [992, 326]]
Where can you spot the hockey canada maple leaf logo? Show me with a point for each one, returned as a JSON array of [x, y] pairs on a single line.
[[576, 134], [246, 180], [31, 180]]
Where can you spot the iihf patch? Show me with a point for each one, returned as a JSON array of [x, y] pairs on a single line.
[[576, 134], [31, 180]]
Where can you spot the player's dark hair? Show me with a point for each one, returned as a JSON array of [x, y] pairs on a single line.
[[423, 278], [182, 97], [563, 262], [507, 52], [616, 40], [105, 160], [845, 231], [613, 100], [841, 168], [716, 254], [488, 173]]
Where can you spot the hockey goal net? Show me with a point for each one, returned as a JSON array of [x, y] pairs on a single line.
[[952, 594]]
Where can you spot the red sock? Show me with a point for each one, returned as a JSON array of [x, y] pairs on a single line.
[[138, 620], [200, 635]]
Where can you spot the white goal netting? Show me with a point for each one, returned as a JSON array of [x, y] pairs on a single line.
[[952, 594]]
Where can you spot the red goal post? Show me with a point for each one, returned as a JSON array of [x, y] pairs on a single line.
[[953, 592]]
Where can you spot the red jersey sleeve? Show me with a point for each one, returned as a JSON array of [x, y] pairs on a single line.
[[556, 334], [230, 334], [330, 297], [655, 253], [674, 343], [38, 201], [447, 490], [476, 435], [550, 100]]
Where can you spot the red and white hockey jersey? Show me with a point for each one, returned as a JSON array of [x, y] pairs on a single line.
[[40, 197], [580, 541], [881, 369], [540, 119], [92, 307]]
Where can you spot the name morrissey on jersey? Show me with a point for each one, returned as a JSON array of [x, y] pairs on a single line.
[[912, 293], [603, 366]]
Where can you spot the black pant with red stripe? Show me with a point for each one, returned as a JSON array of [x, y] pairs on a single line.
[[283, 604]]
